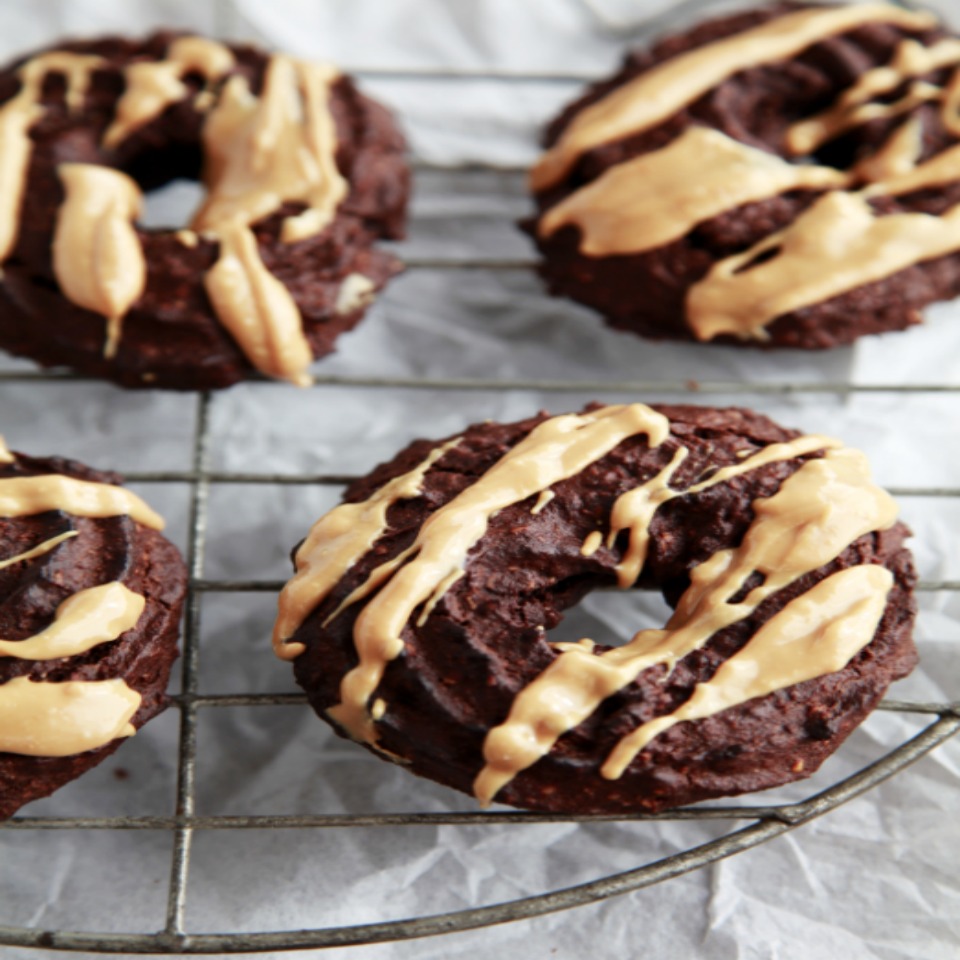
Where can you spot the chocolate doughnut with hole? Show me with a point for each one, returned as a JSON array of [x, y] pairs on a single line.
[[90, 601], [303, 174], [417, 618], [787, 176]]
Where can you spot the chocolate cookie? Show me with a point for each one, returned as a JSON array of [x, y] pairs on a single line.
[[417, 616], [303, 174], [90, 599], [785, 177]]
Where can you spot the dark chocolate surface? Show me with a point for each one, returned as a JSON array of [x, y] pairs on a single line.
[[484, 642]]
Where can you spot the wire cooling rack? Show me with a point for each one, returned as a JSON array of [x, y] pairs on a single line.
[[749, 824]]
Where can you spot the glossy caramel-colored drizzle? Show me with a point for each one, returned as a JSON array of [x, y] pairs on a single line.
[[43, 719], [83, 621], [28, 496], [819, 632], [817, 512], [260, 153], [39, 550], [660, 196], [335, 543], [660, 92], [152, 86], [897, 156], [633, 511], [836, 245], [910, 59], [256, 308], [97, 257], [18, 115], [556, 449]]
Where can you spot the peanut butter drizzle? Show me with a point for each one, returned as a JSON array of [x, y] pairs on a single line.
[[817, 512], [83, 621], [18, 115], [660, 196], [41, 719], [335, 543], [897, 156], [28, 496], [152, 86], [659, 93], [910, 59], [39, 550], [545, 497], [97, 257], [836, 245], [5, 455], [939, 169], [591, 544], [556, 449], [257, 309], [817, 633], [634, 509], [258, 155]]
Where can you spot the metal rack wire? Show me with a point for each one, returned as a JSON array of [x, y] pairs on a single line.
[[750, 825]]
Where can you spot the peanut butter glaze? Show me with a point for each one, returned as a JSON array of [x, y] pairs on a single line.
[[835, 246], [39, 550], [24, 496], [154, 86], [97, 257], [659, 93], [660, 196], [84, 620], [911, 59], [17, 115], [39, 719], [336, 541]]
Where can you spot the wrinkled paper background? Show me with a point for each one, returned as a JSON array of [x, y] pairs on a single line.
[[877, 878]]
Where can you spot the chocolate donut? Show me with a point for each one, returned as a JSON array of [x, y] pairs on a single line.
[[90, 599], [785, 177], [416, 619], [302, 174]]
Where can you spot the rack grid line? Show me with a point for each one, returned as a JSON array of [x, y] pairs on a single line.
[[942, 720]]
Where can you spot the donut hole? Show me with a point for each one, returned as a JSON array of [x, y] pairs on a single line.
[[171, 206], [169, 177], [611, 617]]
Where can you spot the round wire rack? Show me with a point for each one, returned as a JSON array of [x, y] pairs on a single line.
[[749, 825]]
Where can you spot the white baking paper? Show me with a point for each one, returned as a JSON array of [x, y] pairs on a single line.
[[877, 878]]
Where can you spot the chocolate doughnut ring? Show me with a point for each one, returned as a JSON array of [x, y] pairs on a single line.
[[416, 619], [90, 600], [784, 177], [302, 173]]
